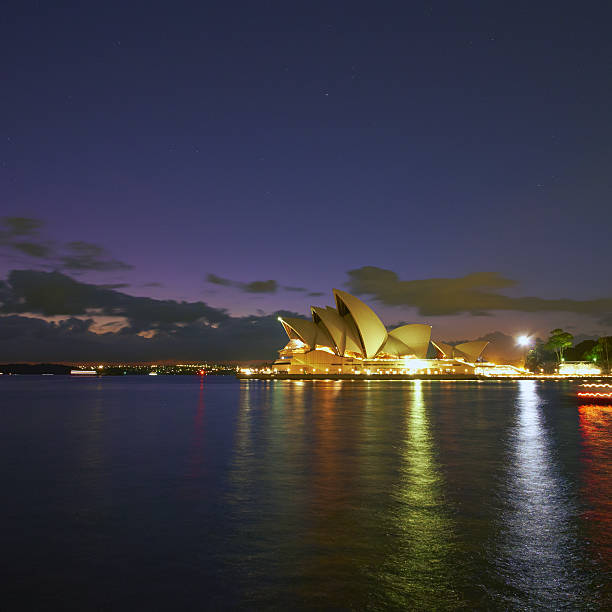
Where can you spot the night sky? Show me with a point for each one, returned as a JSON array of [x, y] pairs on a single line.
[[174, 174]]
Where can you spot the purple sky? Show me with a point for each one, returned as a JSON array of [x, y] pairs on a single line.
[[295, 142]]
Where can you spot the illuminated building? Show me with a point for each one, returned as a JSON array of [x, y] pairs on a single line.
[[578, 368], [496, 370], [351, 339]]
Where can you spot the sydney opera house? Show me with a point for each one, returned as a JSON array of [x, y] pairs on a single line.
[[351, 339]]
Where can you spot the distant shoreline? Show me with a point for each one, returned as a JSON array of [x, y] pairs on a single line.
[[60, 369]]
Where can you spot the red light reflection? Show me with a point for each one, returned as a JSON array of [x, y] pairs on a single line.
[[196, 467], [596, 396], [596, 429]]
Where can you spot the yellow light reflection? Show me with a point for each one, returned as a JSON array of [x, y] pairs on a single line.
[[422, 518]]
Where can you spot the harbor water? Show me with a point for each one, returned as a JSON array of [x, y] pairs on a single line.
[[212, 493]]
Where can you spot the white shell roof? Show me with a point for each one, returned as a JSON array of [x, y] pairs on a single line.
[[473, 350], [334, 324], [372, 333], [416, 336]]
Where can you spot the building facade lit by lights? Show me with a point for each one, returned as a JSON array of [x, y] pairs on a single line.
[[351, 339], [578, 368]]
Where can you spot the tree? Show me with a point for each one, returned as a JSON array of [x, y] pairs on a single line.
[[557, 343], [592, 353], [539, 357], [580, 351], [601, 353]]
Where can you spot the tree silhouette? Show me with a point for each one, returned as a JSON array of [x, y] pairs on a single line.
[[601, 352], [557, 343]]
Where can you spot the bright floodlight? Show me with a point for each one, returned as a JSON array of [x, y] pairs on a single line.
[[523, 341]]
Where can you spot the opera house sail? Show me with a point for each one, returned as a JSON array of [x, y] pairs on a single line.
[[351, 339]]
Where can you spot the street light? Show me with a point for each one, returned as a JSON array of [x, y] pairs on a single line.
[[523, 340]]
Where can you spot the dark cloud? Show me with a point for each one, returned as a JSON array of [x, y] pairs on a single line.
[[33, 249], [219, 280], [316, 294], [54, 293], [268, 286], [78, 256], [234, 339], [87, 256], [20, 226], [153, 284], [152, 329], [476, 294], [19, 328], [14, 230]]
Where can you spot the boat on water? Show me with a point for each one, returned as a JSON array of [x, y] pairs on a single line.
[[600, 393]]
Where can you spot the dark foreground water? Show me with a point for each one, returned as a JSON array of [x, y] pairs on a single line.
[[175, 493]]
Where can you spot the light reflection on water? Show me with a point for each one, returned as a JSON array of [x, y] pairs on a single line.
[[196, 465], [424, 534], [352, 497], [596, 428], [94, 481], [186, 493], [538, 533], [370, 482]]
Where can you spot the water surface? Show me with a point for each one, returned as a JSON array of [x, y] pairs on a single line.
[[181, 492]]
